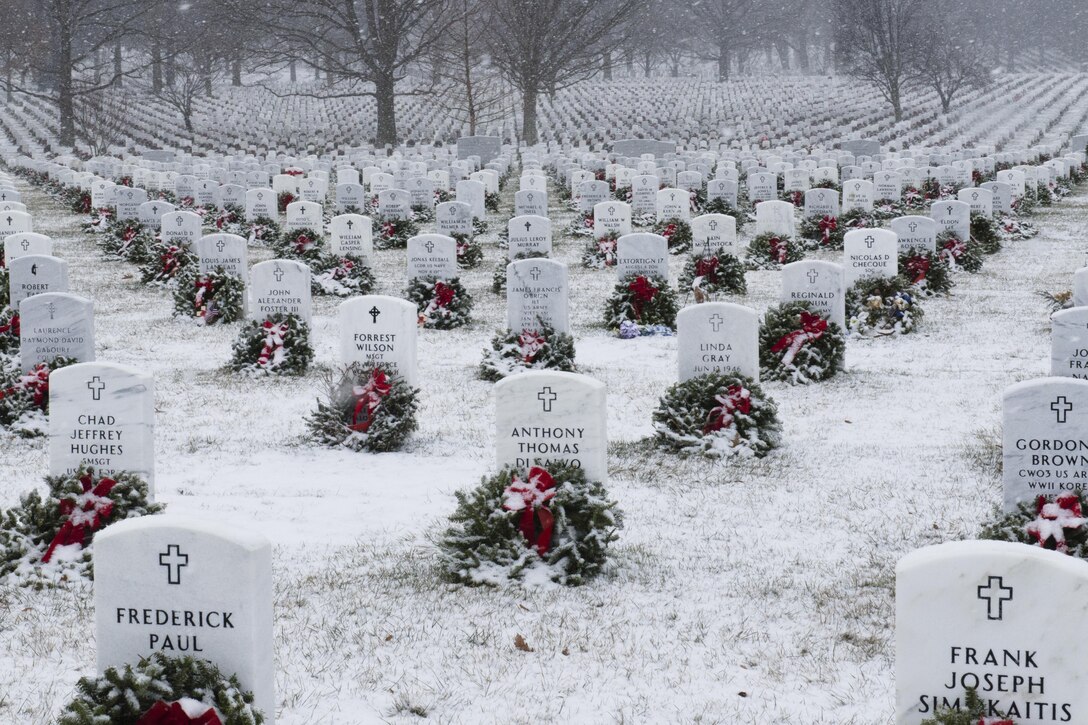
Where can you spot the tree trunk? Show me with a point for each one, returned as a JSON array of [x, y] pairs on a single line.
[[65, 95], [723, 61], [294, 72], [783, 53], [9, 94], [171, 70], [156, 68], [385, 95], [629, 60], [897, 103], [802, 54], [208, 84], [117, 68], [606, 65], [236, 72], [528, 116]]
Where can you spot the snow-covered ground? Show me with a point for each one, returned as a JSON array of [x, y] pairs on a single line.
[[744, 592]]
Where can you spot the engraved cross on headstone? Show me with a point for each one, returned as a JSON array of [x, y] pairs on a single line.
[[350, 224], [716, 322], [96, 386], [1061, 406], [996, 594], [869, 241], [278, 273], [528, 226], [173, 560], [429, 246], [220, 245], [535, 273], [547, 397], [374, 312], [813, 275], [913, 226], [25, 245]]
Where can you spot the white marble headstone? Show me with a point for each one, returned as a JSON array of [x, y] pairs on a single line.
[[642, 254], [915, 232], [379, 330], [531, 202], [1069, 343], [713, 235], [717, 337], [352, 234], [529, 234], [952, 216], [611, 217], [180, 228], [775, 217], [280, 286], [24, 243], [870, 253], [821, 284], [432, 255], [55, 324], [34, 274], [537, 294], [453, 217]]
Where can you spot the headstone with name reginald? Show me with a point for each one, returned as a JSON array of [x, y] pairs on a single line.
[[820, 284], [102, 414], [432, 255], [184, 586], [717, 337], [379, 330], [642, 254], [870, 253], [1069, 343], [55, 324], [997, 617], [536, 295], [34, 274], [543, 416], [280, 286], [1044, 440]]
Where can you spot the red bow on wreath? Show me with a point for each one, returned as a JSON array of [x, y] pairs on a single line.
[[735, 400], [36, 381], [169, 261], [531, 500], [443, 294], [708, 268], [12, 328], [302, 244], [669, 231], [812, 328], [174, 714], [827, 225], [530, 343], [953, 248], [642, 292], [918, 268], [389, 229], [462, 247], [607, 248], [128, 235], [1053, 519], [83, 514], [272, 353], [778, 249], [204, 287], [368, 398], [344, 270]]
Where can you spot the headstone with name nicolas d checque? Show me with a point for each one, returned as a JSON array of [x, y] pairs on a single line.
[[870, 253]]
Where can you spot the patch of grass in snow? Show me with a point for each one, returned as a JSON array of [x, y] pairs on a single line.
[[983, 450]]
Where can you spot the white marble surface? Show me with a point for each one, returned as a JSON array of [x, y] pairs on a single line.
[[375, 329], [35, 274], [642, 253], [352, 234], [611, 217], [537, 292], [453, 217], [280, 286], [1069, 343], [55, 324], [432, 255], [915, 232], [714, 235], [821, 203], [775, 217], [821, 284], [531, 202], [261, 203], [870, 253], [529, 234], [24, 243], [304, 215], [717, 337], [181, 228], [954, 216], [857, 194]]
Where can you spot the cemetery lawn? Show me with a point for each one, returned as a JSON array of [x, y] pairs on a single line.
[[744, 592]]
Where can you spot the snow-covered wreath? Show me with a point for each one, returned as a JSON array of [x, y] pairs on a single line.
[[279, 345], [364, 409], [928, 272], [641, 305], [213, 297], [581, 225], [262, 230], [600, 253], [677, 233], [1056, 523], [959, 254], [772, 251], [394, 233], [516, 352], [304, 245], [443, 304], [24, 397], [821, 232], [167, 264], [985, 233], [541, 523], [469, 252], [341, 275], [707, 277], [162, 690], [798, 346], [882, 306], [717, 415], [128, 240]]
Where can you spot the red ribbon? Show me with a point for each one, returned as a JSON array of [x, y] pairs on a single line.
[[169, 261], [36, 381], [12, 328], [642, 292], [669, 231], [735, 400], [827, 225], [389, 229], [812, 328], [368, 398], [778, 249], [303, 243], [203, 287], [606, 247], [274, 335], [84, 514], [174, 714], [953, 248], [443, 294], [530, 343], [707, 267], [1053, 519], [129, 235], [918, 267], [531, 500], [344, 270]]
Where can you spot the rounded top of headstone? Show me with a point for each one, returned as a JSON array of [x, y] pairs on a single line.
[[248, 540], [1031, 556]]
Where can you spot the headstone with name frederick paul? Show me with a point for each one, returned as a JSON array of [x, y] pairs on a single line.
[[55, 324], [1069, 343], [102, 414], [280, 286], [543, 417], [380, 330], [184, 586], [820, 284], [717, 337], [24, 243], [432, 255], [981, 615], [1044, 439], [537, 295], [870, 253], [642, 254], [34, 274], [915, 232], [527, 235]]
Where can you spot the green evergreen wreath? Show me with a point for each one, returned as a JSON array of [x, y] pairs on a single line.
[[365, 409], [641, 300], [974, 712], [798, 346], [442, 304], [304, 245], [677, 233], [491, 201], [516, 352], [581, 225], [882, 306], [500, 530], [283, 199], [721, 206], [24, 397], [1055, 523], [262, 230], [707, 277], [5, 288], [855, 219], [423, 213], [167, 264], [1043, 196], [600, 253], [128, 240], [32, 531], [279, 345], [394, 233], [342, 276], [772, 251], [498, 277], [215, 297], [821, 232], [985, 233], [959, 254], [719, 416], [927, 272], [469, 251], [479, 226], [121, 696]]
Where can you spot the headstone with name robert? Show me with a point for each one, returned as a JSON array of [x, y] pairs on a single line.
[[261, 203], [35, 274], [542, 417], [102, 415], [537, 295], [870, 253], [642, 254], [380, 330], [55, 324], [981, 615], [280, 286], [186, 586], [822, 285], [352, 234], [821, 203], [1002, 196], [1069, 343], [717, 337], [24, 243], [915, 232], [453, 217], [528, 235], [980, 200], [432, 255], [394, 204]]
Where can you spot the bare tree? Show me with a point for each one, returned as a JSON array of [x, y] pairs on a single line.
[[192, 79], [876, 41], [728, 27], [542, 46], [471, 89], [364, 47], [103, 119], [947, 59]]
